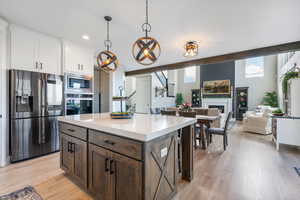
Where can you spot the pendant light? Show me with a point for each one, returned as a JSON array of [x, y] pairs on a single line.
[[191, 49], [106, 59], [146, 50]]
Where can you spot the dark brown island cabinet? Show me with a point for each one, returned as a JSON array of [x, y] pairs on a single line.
[[111, 167]]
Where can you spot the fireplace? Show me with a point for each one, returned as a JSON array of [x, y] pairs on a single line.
[[220, 107]]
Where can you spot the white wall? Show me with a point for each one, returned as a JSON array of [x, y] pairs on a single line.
[[161, 102], [3, 94], [156, 102], [117, 79], [282, 69], [258, 86], [130, 85], [185, 88]]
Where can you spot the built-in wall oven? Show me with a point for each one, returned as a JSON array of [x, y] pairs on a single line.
[[78, 94], [79, 104], [78, 83]]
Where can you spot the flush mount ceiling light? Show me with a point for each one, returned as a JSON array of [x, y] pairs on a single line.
[[146, 50], [191, 49], [106, 59]]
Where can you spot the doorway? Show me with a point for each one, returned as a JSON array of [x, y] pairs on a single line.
[[143, 94]]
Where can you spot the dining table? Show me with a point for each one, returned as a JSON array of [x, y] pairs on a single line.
[[204, 120]]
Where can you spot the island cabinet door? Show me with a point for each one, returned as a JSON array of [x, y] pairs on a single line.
[[99, 174], [67, 157], [79, 149], [126, 177]]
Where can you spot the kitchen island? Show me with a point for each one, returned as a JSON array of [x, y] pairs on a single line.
[[127, 158]]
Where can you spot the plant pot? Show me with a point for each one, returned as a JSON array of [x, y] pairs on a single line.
[[278, 114]]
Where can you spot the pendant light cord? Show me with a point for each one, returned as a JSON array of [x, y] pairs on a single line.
[[147, 12], [147, 16], [107, 26]]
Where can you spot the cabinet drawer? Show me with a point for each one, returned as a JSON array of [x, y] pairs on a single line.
[[124, 146], [74, 131]]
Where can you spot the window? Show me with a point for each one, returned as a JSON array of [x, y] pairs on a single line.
[[254, 67], [190, 74]]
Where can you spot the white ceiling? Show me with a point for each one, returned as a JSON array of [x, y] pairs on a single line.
[[222, 26]]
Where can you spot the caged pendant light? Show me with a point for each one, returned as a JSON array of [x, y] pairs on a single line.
[[106, 59], [146, 50], [191, 49]]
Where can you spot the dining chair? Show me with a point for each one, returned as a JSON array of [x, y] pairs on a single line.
[[220, 131], [201, 111], [197, 126], [187, 114], [168, 112]]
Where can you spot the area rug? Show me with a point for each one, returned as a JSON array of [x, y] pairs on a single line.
[[27, 193]]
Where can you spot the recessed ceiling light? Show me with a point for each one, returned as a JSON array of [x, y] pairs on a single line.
[[86, 37]]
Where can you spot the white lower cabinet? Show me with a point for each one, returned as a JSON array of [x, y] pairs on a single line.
[[286, 131]]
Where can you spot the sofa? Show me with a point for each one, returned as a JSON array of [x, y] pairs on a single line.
[[258, 121]]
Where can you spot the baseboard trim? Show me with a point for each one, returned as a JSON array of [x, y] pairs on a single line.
[[6, 162]]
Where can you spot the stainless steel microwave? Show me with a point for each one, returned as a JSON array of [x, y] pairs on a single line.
[[78, 83]]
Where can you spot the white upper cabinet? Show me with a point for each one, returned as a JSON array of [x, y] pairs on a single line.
[[50, 55], [78, 59], [87, 61], [34, 51], [24, 47]]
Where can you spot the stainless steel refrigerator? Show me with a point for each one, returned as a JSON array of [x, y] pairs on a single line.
[[36, 99]]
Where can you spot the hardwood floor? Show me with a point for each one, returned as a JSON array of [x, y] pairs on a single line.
[[251, 168]]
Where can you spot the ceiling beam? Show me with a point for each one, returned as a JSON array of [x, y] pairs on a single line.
[[281, 48]]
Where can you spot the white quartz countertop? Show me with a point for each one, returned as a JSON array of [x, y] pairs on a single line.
[[142, 127]]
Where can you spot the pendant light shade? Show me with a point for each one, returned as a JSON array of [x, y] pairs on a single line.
[[146, 50], [106, 59]]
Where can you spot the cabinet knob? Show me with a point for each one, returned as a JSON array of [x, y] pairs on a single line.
[[41, 65], [81, 67], [109, 142], [36, 65]]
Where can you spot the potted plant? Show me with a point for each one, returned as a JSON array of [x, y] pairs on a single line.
[[186, 107], [278, 112], [271, 99], [179, 99], [286, 78]]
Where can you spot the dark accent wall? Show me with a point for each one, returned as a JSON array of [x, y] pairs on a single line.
[[218, 71]]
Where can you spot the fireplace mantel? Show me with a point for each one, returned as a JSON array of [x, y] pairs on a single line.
[[226, 102]]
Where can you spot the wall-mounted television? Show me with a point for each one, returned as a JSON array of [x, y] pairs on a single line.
[[216, 87]]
